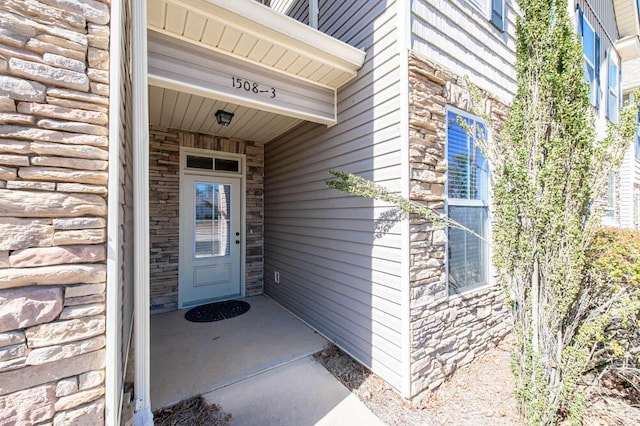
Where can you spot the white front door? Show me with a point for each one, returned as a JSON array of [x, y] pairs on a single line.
[[210, 240]]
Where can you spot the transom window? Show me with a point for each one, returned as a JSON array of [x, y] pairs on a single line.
[[467, 203], [211, 163]]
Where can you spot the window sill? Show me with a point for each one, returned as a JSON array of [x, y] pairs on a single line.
[[472, 289]]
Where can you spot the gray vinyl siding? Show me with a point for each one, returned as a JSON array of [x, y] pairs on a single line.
[[629, 179], [124, 142], [630, 171], [297, 9], [601, 14], [339, 267], [458, 36], [630, 168]]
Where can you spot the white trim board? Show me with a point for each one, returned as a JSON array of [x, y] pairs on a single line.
[[185, 67]]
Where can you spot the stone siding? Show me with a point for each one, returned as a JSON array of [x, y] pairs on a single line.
[[446, 332], [164, 182], [54, 83]]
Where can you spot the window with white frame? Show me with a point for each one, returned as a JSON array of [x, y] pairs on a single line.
[[495, 9], [610, 210], [591, 53], [467, 203], [613, 88], [638, 136], [636, 210], [498, 14]]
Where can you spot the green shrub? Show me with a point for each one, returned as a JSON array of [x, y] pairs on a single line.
[[614, 333], [614, 257]]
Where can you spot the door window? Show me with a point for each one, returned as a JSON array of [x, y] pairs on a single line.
[[212, 210]]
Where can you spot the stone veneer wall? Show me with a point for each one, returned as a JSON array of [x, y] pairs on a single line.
[[164, 174], [53, 184], [446, 332]]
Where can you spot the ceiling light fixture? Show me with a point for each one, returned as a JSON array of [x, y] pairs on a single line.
[[224, 117]]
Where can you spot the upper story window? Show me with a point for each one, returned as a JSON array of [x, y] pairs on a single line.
[[638, 136], [494, 9], [591, 53], [498, 14], [610, 210], [467, 203], [636, 209], [613, 88]]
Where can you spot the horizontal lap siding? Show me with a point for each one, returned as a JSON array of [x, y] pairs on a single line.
[[459, 37], [630, 170], [297, 9], [125, 216], [629, 176], [338, 256], [601, 15]]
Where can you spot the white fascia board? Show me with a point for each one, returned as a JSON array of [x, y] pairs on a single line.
[[628, 48], [261, 21]]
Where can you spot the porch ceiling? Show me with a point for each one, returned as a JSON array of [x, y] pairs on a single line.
[[178, 110]]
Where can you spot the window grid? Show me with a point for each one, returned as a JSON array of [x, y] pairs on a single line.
[[590, 51], [610, 210], [467, 203], [612, 89], [638, 137]]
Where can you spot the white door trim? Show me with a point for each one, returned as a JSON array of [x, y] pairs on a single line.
[[242, 176]]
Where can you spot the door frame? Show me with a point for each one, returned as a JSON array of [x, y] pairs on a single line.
[[241, 176]]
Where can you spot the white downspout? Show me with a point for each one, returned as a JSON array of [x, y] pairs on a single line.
[[113, 372], [143, 415]]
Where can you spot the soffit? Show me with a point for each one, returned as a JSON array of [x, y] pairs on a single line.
[[627, 17]]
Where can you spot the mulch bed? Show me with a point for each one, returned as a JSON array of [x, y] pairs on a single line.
[[477, 394], [192, 412]]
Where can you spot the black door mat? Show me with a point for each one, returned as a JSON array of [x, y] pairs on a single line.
[[217, 311]]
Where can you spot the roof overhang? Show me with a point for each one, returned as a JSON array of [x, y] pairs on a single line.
[[204, 46], [628, 48], [627, 17]]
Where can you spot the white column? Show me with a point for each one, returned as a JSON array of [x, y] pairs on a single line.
[[143, 415]]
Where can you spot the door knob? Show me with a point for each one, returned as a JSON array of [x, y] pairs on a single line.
[[237, 241]]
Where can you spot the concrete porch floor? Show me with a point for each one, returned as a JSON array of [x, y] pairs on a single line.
[[189, 359]]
